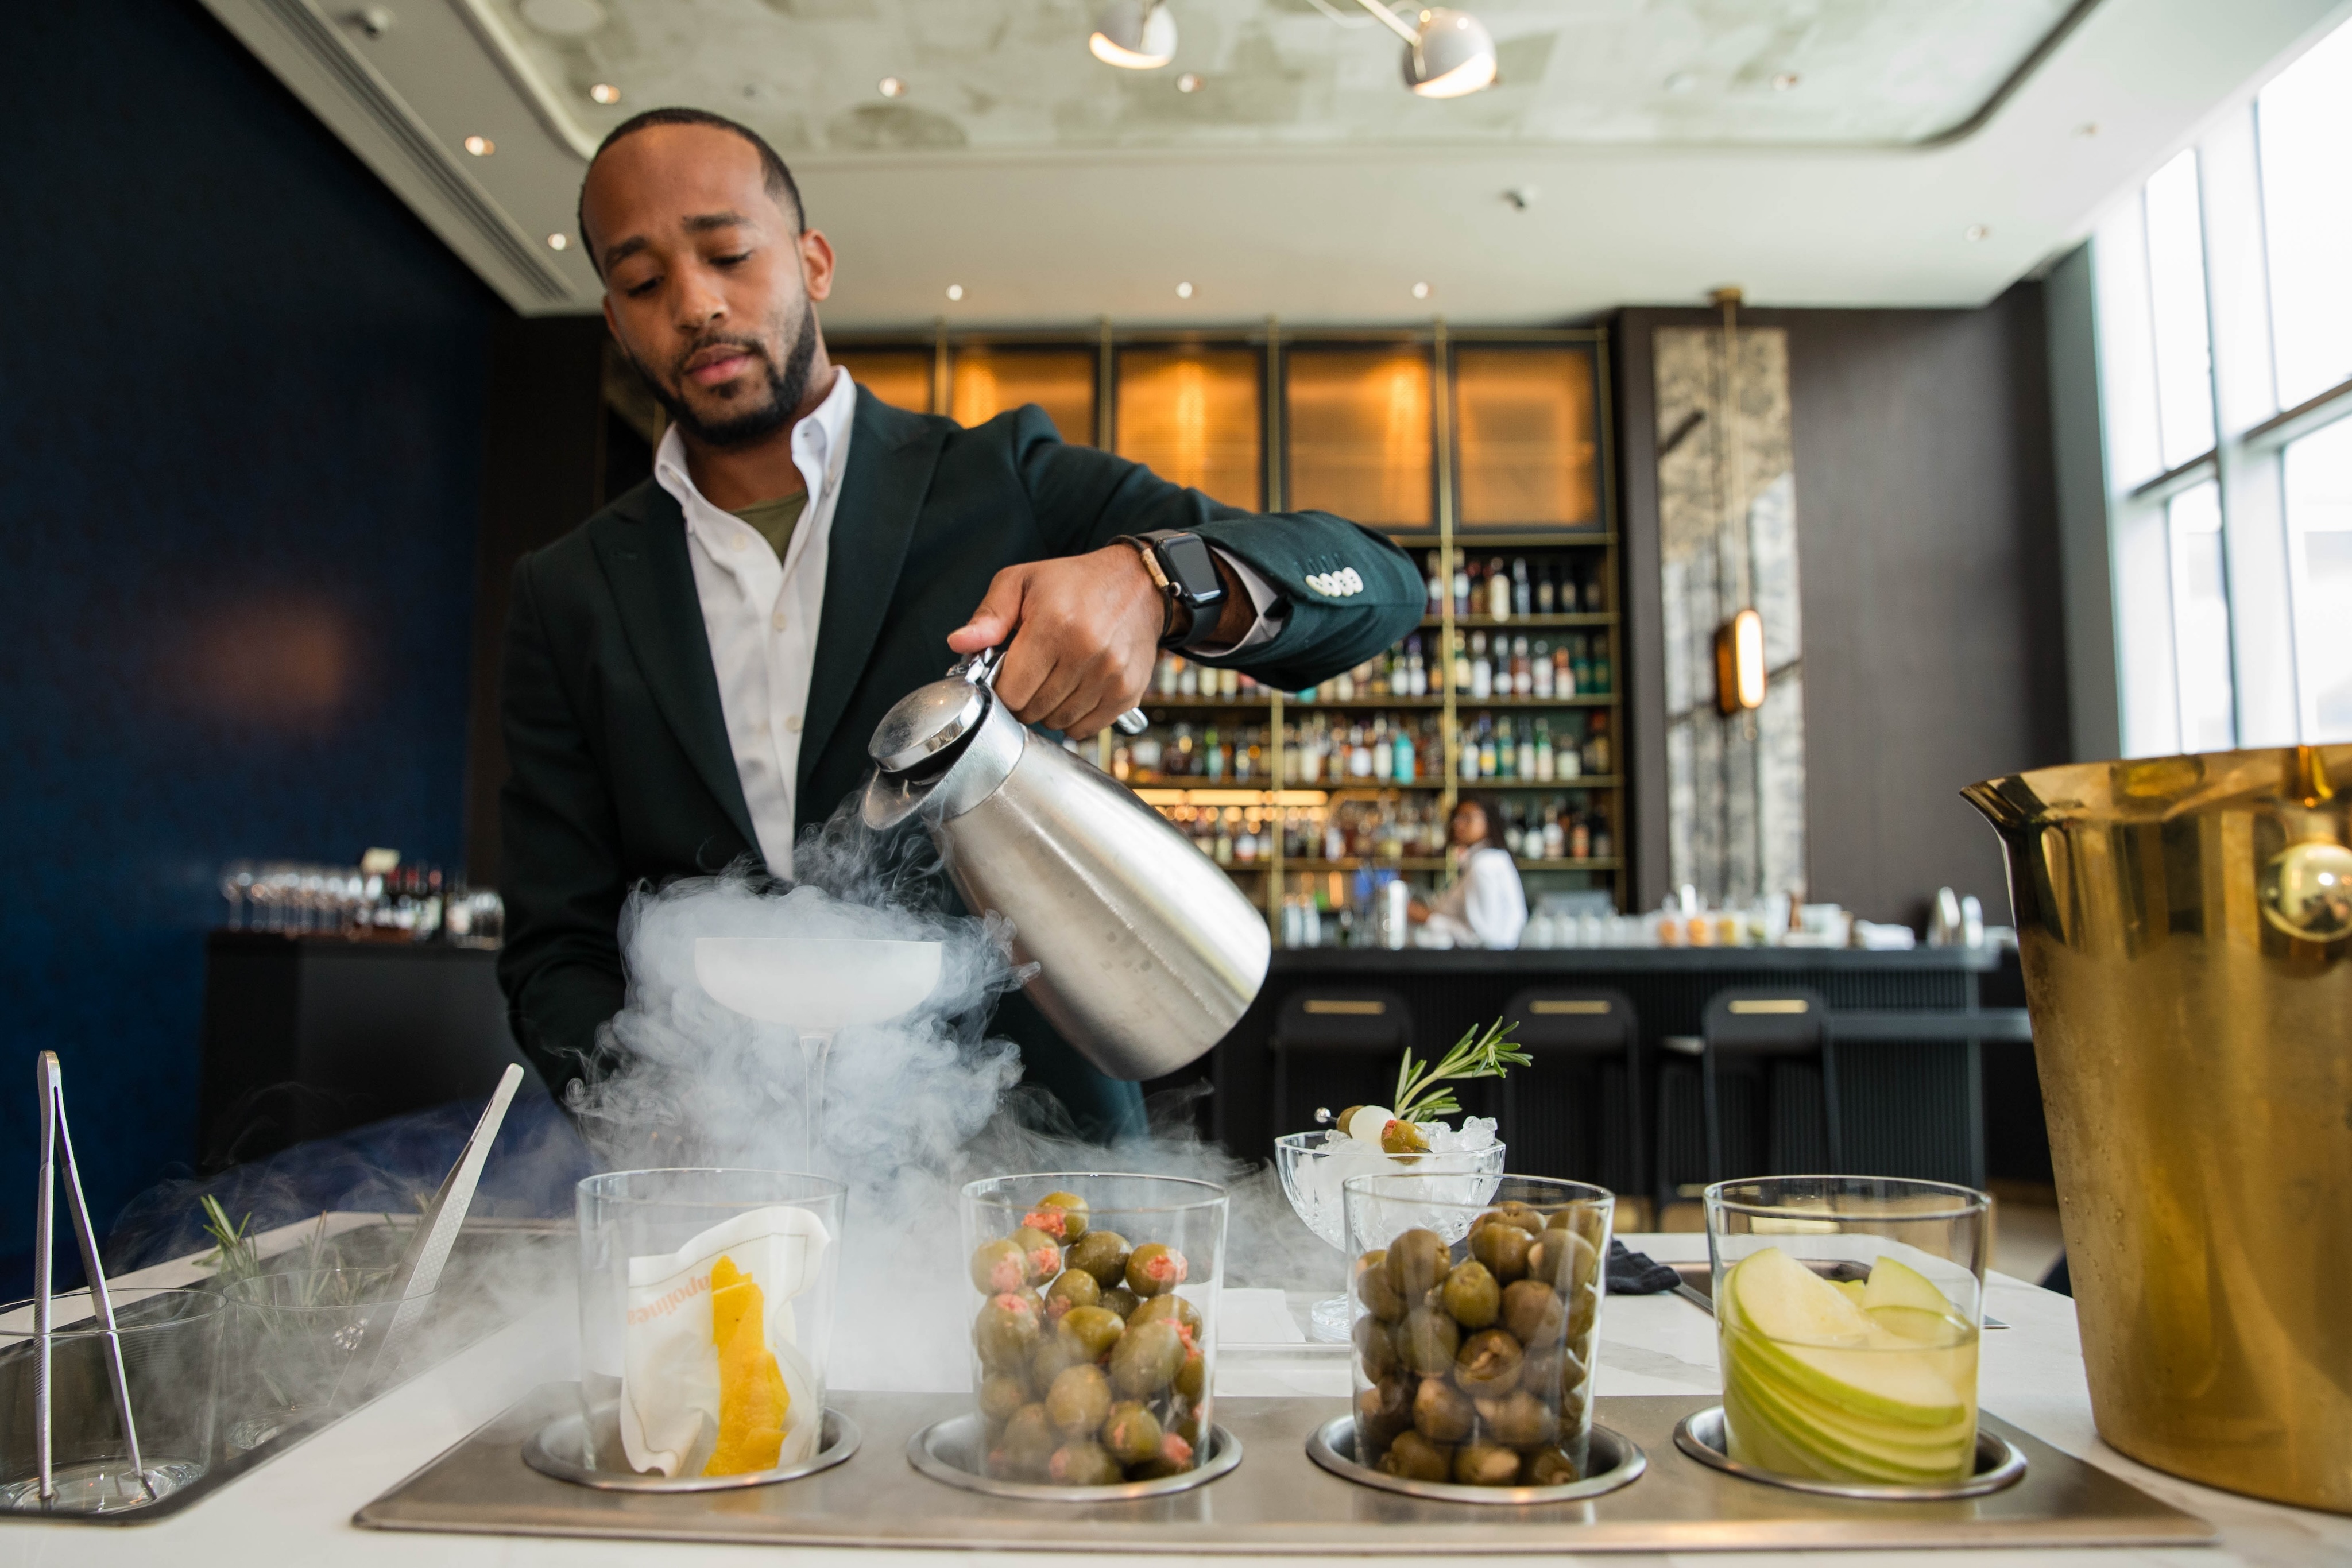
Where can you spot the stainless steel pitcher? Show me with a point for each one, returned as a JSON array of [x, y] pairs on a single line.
[[1146, 952], [2186, 927]]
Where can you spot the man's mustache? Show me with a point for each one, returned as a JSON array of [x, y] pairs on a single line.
[[687, 356]]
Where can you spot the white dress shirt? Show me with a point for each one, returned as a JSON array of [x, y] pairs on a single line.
[[761, 614], [1487, 904]]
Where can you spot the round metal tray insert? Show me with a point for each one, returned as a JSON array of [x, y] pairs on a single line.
[[949, 1451], [559, 1450], [1998, 1464], [1619, 1459]]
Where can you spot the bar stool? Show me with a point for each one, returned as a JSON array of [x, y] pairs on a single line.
[[1583, 1031], [1351, 1037], [1757, 1035]]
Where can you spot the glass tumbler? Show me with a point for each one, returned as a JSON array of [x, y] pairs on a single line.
[[290, 1340], [705, 1318], [1476, 1321], [1094, 1323], [170, 1361], [1313, 1166], [1847, 1314]]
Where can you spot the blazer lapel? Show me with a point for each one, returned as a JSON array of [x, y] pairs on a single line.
[[644, 554], [891, 455]]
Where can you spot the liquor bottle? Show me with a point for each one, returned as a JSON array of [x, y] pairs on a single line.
[[1405, 763], [1436, 585], [1568, 755], [1486, 758], [1527, 766], [1468, 742], [1482, 670], [1383, 758], [1514, 836], [1579, 656], [1555, 836], [1461, 682], [1180, 764], [1579, 842], [1522, 597], [1499, 590], [1600, 665], [1165, 676], [1343, 686], [1547, 590], [1416, 671], [1563, 674], [1188, 679], [1539, 669], [1543, 749], [1592, 592], [1523, 677], [1602, 846], [1598, 746], [1461, 585], [1215, 750]]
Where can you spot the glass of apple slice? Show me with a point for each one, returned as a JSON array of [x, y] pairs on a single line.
[[1847, 1314]]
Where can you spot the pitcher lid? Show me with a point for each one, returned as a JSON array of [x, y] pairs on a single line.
[[926, 722]]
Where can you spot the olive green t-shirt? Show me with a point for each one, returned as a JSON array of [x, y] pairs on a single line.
[[775, 521]]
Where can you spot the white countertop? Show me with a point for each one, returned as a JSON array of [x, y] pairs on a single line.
[[298, 1509]]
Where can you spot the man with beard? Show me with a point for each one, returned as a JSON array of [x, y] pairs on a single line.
[[693, 673]]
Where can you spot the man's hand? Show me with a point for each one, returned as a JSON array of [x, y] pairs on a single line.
[[1089, 628]]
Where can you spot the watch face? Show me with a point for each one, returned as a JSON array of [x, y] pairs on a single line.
[[1186, 558]]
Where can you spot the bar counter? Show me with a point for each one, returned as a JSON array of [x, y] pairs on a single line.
[[300, 1508], [1913, 1107]]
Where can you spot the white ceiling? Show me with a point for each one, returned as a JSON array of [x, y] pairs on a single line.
[[1814, 151]]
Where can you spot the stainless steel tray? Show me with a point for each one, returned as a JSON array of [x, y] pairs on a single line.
[[1277, 1502]]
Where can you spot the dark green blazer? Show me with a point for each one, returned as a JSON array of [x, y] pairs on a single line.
[[620, 771]]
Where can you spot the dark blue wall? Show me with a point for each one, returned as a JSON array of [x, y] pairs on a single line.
[[240, 449]]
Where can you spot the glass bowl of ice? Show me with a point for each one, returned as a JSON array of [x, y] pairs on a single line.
[[1314, 1165], [1412, 1138]]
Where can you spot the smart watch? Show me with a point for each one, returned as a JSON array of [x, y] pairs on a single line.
[[1185, 571]]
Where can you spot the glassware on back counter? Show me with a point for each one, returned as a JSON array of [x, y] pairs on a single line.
[[414, 902]]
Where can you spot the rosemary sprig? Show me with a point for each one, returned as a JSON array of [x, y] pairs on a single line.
[[233, 1256], [1419, 1094]]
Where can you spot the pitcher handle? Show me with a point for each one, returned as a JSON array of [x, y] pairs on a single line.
[[981, 669]]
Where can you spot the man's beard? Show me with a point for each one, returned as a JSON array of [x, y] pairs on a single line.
[[759, 419]]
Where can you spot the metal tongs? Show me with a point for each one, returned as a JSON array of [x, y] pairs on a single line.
[[979, 669], [393, 1322], [56, 1143]]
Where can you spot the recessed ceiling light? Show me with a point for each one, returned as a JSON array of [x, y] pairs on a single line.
[[1784, 82], [1183, 291], [604, 92], [955, 290], [1189, 82], [558, 241], [1977, 231], [480, 146], [891, 87], [1421, 291]]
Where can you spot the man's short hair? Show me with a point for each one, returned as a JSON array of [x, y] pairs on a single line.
[[777, 178]]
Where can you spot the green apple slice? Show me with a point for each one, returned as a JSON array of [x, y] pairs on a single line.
[[1902, 1442], [1893, 1284], [1772, 1434], [1919, 1324], [1781, 1299], [1805, 1331]]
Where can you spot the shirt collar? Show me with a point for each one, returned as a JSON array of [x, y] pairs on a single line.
[[818, 443]]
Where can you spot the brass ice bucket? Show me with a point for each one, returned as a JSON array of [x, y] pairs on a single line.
[[2186, 927]]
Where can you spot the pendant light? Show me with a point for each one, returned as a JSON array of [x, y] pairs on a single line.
[[1449, 55], [1134, 35]]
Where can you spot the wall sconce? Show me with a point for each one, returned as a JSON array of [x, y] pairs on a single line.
[[1739, 664]]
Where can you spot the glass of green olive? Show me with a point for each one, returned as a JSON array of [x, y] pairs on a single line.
[[1475, 1326], [1094, 1323]]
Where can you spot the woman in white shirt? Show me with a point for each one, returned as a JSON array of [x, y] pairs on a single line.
[[1487, 906]]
